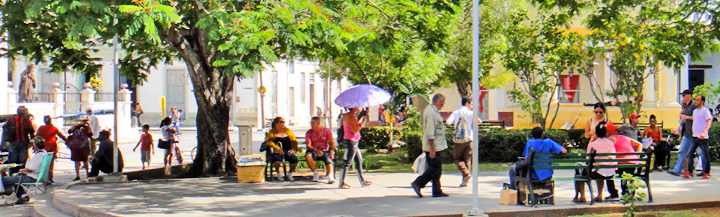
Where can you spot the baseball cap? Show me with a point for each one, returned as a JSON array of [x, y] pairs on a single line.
[[611, 128], [687, 91], [634, 116]]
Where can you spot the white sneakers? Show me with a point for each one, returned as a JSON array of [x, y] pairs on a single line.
[[316, 176], [331, 179], [280, 176], [290, 177]]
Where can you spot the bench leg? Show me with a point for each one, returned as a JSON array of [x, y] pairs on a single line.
[[592, 197], [532, 194], [650, 198]]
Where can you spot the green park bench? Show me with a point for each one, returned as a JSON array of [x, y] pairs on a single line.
[[526, 186]]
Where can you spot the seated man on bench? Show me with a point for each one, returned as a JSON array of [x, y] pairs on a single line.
[[541, 146]]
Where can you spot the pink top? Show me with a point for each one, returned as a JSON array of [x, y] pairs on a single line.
[[623, 145], [603, 145], [348, 134]]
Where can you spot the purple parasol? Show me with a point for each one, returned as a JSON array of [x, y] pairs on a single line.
[[362, 96]]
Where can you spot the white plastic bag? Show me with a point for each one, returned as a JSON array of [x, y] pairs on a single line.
[[420, 164], [2, 187], [647, 141]]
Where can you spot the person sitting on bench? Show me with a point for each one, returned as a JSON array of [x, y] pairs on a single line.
[[602, 144], [541, 146]]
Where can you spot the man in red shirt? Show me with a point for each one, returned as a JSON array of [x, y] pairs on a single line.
[[50, 134], [320, 146]]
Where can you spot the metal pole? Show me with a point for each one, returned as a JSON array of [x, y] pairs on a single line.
[[116, 78], [329, 96], [475, 211], [262, 104]]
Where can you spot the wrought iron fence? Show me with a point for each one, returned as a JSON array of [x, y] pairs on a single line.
[[72, 103], [106, 97], [37, 97]]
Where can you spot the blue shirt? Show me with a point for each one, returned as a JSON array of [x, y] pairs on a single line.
[[542, 146]]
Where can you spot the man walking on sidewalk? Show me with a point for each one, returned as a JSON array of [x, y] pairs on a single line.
[[688, 107], [701, 125], [433, 143], [462, 152]]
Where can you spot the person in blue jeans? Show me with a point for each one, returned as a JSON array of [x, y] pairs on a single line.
[[541, 146], [688, 107], [702, 118]]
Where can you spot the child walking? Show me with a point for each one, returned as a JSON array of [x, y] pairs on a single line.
[[147, 144]]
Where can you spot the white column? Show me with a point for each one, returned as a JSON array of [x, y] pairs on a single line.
[[59, 100], [649, 99], [493, 105], [4, 72], [87, 98], [12, 96], [669, 87], [685, 74], [125, 113]]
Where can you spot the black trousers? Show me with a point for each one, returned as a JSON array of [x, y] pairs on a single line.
[[432, 173], [611, 183], [100, 165], [661, 152]]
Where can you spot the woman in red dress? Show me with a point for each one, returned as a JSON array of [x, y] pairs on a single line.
[[79, 144], [50, 134]]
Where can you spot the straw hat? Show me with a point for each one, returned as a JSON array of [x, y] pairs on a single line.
[[83, 118]]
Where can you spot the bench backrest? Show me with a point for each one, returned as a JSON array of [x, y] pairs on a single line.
[[45, 167], [638, 160]]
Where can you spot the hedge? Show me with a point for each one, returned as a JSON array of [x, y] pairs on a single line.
[[498, 145]]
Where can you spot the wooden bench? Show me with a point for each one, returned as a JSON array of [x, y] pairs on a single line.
[[642, 126], [302, 151], [492, 124], [523, 178]]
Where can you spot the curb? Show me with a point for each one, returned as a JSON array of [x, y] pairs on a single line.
[[615, 209], [74, 210]]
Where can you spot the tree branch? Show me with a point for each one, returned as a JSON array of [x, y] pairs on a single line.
[[359, 68]]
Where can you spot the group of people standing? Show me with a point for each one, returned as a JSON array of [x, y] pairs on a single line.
[[82, 141]]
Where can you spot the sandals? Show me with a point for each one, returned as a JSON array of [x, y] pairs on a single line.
[[598, 199], [366, 183], [344, 186], [576, 200]]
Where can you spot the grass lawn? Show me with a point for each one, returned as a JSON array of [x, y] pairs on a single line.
[[682, 213]]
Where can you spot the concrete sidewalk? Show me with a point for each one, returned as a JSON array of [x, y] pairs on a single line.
[[390, 195]]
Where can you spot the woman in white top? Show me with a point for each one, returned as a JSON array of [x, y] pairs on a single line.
[[600, 116], [167, 135]]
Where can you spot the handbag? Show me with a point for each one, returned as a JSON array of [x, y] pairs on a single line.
[[163, 144]]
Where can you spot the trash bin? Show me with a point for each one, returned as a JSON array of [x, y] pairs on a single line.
[[250, 174], [251, 169]]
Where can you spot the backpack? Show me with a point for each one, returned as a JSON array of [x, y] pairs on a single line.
[[340, 134], [462, 132]]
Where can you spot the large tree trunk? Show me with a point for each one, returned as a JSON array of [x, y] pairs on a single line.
[[213, 93], [464, 88]]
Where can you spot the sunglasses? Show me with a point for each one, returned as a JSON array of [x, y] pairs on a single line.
[[598, 112]]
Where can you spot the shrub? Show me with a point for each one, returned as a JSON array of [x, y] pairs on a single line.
[[375, 138], [714, 141]]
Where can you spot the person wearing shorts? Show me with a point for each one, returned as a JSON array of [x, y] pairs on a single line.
[[320, 147], [146, 141]]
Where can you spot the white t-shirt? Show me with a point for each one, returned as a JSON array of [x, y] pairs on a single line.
[[166, 136], [35, 163], [94, 123], [463, 111], [700, 117]]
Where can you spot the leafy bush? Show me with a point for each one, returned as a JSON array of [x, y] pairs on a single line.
[[498, 145], [375, 138]]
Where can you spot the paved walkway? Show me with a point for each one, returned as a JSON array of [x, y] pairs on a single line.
[[389, 196]]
